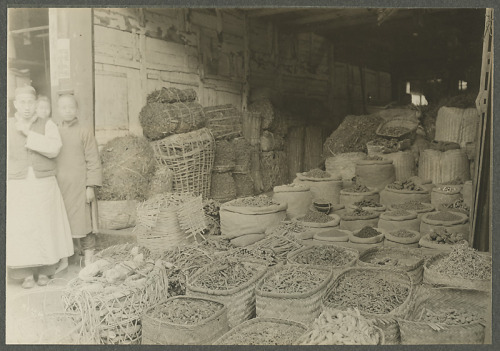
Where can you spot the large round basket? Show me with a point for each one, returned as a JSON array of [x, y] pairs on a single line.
[[301, 307], [435, 278], [415, 330], [406, 260], [191, 157], [157, 331], [263, 331], [363, 282], [240, 301]]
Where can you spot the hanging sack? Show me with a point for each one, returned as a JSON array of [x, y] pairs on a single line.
[[375, 174], [298, 197], [399, 219]]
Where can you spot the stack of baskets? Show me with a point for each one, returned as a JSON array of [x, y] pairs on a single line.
[[191, 157]]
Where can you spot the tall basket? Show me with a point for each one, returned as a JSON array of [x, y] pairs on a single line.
[[191, 157]]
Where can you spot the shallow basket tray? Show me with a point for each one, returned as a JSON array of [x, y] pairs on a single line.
[[415, 332], [240, 301], [238, 333], [415, 270], [398, 122], [300, 307], [438, 279], [387, 322], [159, 332], [291, 257]]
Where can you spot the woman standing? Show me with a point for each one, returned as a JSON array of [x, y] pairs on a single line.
[[38, 232]]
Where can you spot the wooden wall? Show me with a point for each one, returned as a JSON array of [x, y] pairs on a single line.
[[139, 50], [221, 55]]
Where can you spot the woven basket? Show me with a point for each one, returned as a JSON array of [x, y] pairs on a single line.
[[252, 332], [294, 255], [410, 125], [388, 321], [117, 214], [115, 315], [159, 332], [438, 279], [191, 157], [169, 220], [415, 332], [414, 269], [299, 307], [38, 317], [240, 301]]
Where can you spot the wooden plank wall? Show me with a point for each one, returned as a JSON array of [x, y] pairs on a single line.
[[299, 64], [139, 50]]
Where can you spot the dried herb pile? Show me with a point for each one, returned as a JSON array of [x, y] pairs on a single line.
[[369, 291], [328, 255]]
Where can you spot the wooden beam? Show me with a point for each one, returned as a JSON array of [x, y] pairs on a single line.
[[264, 12], [29, 30], [329, 15]]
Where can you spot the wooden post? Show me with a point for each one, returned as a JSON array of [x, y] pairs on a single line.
[[72, 58], [483, 105], [246, 64]]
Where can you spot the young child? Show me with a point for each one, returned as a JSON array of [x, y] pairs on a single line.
[[78, 172], [38, 233], [43, 107]]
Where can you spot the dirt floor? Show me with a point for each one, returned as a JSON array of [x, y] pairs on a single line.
[[26, 309]]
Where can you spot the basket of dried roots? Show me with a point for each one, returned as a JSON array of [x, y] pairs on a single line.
[[184, 320], [380, 294], [445, 316], [231, 282], [292, 292]]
